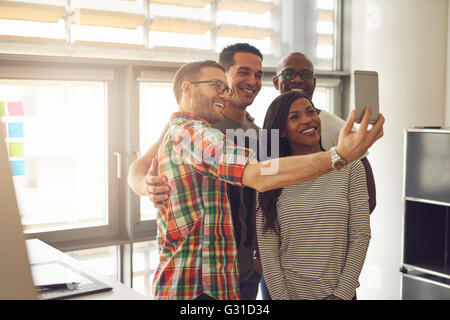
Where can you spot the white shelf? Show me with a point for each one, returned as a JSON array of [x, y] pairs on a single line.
[[425, 129], [438, 203], [411, 267]]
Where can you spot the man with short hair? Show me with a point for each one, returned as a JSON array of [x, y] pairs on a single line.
[[195, 230], [243, 70], [198, 256]]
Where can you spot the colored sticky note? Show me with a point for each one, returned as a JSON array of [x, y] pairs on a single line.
[[15, 149], [15, 129], [5, 130], [15, 109], [18, 167], [2, 109]]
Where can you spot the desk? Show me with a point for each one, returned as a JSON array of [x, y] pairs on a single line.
[[39, 252]]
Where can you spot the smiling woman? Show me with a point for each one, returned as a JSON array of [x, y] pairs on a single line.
[[302, 128], [330, 211]]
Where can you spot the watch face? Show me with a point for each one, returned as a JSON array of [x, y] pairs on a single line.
[[339, 164], [337, 161]]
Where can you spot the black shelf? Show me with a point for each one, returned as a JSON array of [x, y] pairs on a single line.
[[426, 238]]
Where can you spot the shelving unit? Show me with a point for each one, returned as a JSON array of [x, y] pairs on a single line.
[[426, 238]]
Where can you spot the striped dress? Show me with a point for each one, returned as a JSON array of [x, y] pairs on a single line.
[[324, 235]]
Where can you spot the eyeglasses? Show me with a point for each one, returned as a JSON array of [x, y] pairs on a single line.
[[220, 86], [290, 74]]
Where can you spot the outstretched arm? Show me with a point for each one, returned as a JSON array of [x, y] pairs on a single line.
[[279, 173], [143, 177]]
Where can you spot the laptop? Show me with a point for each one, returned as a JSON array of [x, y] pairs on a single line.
[[18, 279]]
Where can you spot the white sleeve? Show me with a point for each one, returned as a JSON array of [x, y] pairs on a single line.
[[331, 127]]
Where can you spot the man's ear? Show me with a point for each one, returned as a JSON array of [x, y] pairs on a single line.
[[186, 88], [275, 82]]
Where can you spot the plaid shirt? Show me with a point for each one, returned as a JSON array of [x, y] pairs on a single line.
[[195, 232]]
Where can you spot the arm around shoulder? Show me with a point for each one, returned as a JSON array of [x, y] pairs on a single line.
[[138, 170]]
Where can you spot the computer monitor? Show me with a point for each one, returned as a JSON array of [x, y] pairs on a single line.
[[16, 282]]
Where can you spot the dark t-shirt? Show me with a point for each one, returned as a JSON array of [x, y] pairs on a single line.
[[242, 200]]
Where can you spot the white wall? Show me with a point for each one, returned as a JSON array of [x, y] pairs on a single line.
[[406, 42]]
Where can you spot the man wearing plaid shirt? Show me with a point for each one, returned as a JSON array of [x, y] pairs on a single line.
[[198, 256]]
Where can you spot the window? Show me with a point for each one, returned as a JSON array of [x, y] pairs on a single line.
[[326, 41], [155, 24], [156, 105], [245, 21], [113, 23], [101, 259], [34, 21], [61, 129], [59, 135], [312, 27], [180, 26], [145, 262]]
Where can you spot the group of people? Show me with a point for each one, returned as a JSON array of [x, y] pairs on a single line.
[[294, 222]]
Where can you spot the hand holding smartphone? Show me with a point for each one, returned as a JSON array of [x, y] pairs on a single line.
[[366, 94]]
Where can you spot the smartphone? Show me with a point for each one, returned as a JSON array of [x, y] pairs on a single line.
[[366, 94]]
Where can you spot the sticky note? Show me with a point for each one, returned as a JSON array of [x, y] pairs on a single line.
[[2, 109], [15, 129], [18, 167], [15, 149], [15, 109], [5, 130]]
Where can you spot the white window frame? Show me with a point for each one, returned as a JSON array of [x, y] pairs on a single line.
[[24, 68]]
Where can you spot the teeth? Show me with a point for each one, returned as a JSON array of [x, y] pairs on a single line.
[[248, 90], [220, 105], [298, 89], [309, 130]]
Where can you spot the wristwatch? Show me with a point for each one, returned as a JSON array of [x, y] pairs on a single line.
[[336, 161]]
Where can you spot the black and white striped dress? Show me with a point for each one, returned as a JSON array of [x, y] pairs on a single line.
[[324, 235]]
